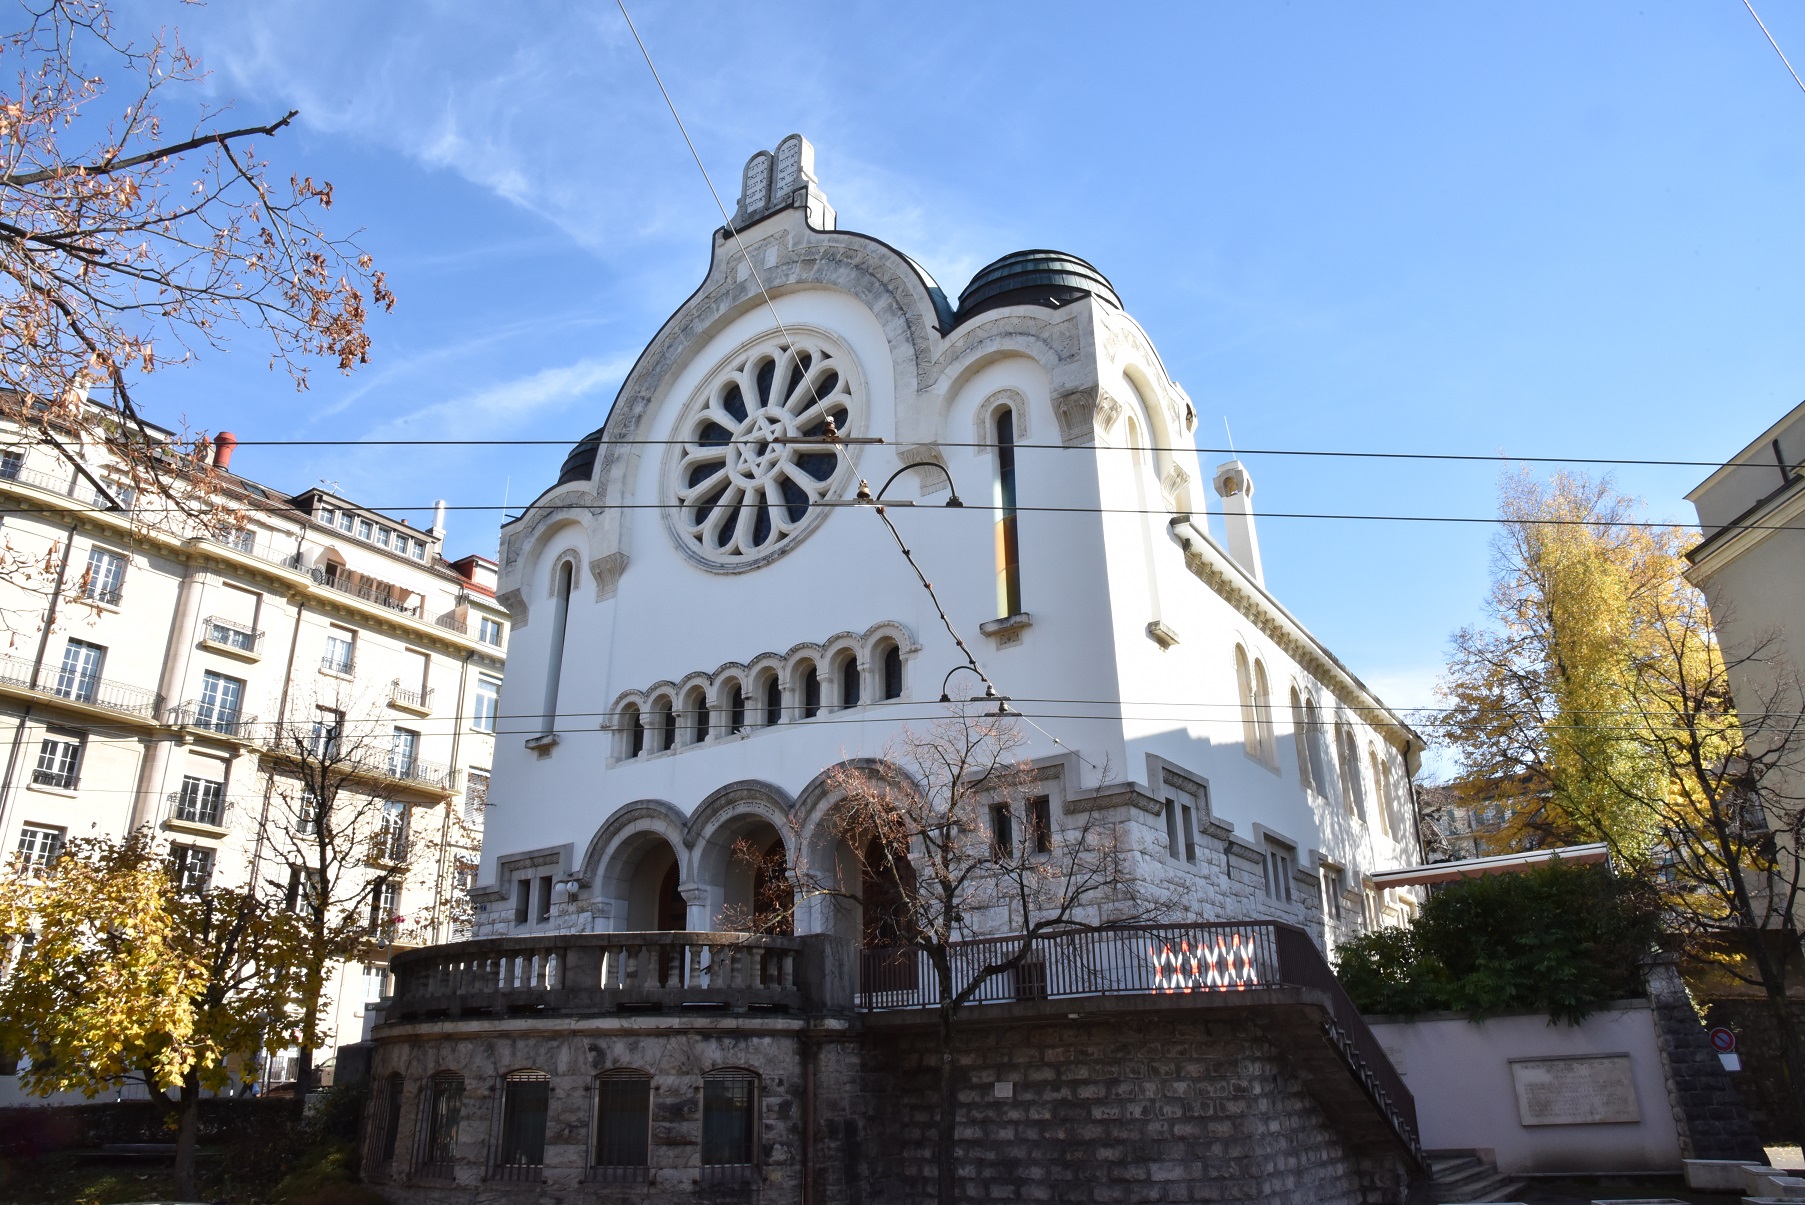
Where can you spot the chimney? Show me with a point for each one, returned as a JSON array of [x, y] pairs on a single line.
[[1236, 490], [223, 443], [438, 520]]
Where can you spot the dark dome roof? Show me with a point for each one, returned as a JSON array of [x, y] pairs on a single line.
[[1049, 278], [581, 461]]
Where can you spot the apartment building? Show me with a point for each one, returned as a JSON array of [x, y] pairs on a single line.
[[151, 669]]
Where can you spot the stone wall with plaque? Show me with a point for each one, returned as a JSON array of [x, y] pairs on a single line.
[[1575, 1090]]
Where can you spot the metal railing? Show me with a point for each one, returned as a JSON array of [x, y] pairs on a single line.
[[333, 664], [230, 634], [62, 780], [367, 593], [594, 972], [102, 593], [212, 718], [96, 692], [198, 807], [411, 769], [1140, 960], [417, 700], [451, 622]]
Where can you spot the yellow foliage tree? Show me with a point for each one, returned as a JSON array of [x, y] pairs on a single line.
[[127, 977], [1543, 702]]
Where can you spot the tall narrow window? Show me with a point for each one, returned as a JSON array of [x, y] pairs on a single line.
[[697, 716], [221, 700], [664, 724], [476, 794], [200, 801], [341, 651], [1040, 824], [105, 577], [773, 700], [525, 1100], [404, 753], [439, 1139], [1348, 754], [191, 866], [893, 672], [811, 693], [1381, 788], [39, 847], [1002, 830], [555, 657], [1250, 723], [388, 1119], [1313, 734], [1300, 736], [1188, 822], [633, 731], [623, 1125], [79, 677], [736, 708], [849, 680], [1262, 711], [729, 1120], [1008, 546], [1172, 835], [488, 703]]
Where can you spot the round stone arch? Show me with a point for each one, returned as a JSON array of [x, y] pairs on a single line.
[[630, 708], [826, 857], [842, 654], [728, 885], [876, 639], [1173, 480], [627, 865], [976, 348]]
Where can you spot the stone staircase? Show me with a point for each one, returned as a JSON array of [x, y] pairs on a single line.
[[1463, 1176]]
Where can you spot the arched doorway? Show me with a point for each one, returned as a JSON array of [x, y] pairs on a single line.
[[747, 857], [652, 887], [889, 963]]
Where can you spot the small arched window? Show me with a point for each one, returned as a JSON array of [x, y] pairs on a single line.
[[848, 671], [736, 708], [1319, 760], [1300, 728], [1262, 710], [811, 692], [554, 669], [664, 724], [1250, 724], [773, 700], [623, 1125], [695, 709], [633, 731], [1382, 788], [1348, 754], [893, 685]]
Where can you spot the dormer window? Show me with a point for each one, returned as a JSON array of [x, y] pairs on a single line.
[[328, 516]]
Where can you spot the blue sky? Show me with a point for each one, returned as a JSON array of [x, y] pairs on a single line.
[[1556, 229]]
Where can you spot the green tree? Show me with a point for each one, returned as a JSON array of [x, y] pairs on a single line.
[[128, 977], [1544, 702]]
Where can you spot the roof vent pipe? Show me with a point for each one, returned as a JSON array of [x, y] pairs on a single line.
[[223, 443], [1235, 488], [438, 520]]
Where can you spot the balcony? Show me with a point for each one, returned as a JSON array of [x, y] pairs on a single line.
[[94, 692], [210, 717], [452, 622], [61, 780], [105, 595], [380, 593], [232, 638], [342, 664], [411, 770], [597, 972], [417, 702]]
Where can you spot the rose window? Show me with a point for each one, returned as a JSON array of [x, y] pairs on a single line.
[[745, 490]]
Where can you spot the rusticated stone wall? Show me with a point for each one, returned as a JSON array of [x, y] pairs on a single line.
[[1164, 1107]]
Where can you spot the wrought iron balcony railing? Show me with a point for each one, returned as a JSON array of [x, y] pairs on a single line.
[[211, 717], [231, 635], [80, 688], [413, 700]]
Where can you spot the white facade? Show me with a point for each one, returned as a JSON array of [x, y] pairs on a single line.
[[1178, 689], [150, 667]]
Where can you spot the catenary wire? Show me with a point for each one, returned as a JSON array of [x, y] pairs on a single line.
[[1770, 41]]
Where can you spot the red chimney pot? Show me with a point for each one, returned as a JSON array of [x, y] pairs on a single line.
[[223, 443]]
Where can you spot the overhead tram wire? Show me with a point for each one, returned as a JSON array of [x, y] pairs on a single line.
[[1330, 453]]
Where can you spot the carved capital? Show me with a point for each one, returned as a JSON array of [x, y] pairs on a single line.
[[1076, 410], [607, 572]]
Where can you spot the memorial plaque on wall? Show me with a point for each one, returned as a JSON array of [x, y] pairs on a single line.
[[1594, 1089]]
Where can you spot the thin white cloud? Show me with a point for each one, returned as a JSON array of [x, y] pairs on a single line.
[[508, 406]]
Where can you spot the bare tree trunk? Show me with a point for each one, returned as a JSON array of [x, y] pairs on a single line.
[[187, 1135], [303, 1078], [949, 1110]]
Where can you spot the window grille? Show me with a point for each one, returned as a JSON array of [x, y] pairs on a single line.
[[444, 1110], [623, 1126], [388, 1120], [525, 1101], [729, 1130]]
